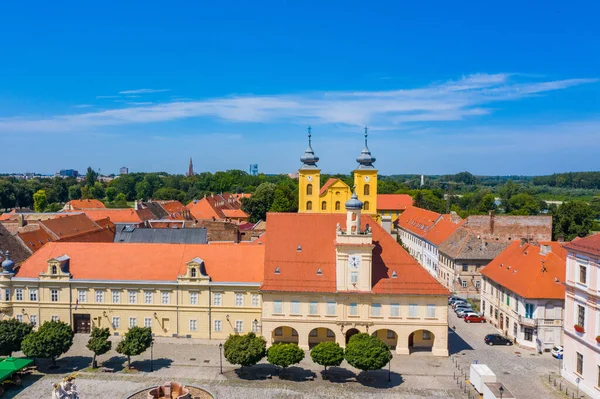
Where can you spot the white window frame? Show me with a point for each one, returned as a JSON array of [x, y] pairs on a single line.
[[239, 299], [413, 310], [148, 295], [255, 326], [431, 310], [395, 310], [54, 295], [193, 298], [255, 300], [7, 294], [217, 298], [295, 307], [217, 325], [375, 310], [193, 325], [82, 295], [116, 296], [18, 294], [116, 322], [313, 308], [278, 306], [132, 322], [99, 296], [239, 326], [33, 294], [353, 277], [353, 309], [331, 308], [165, 297], [132, 296], [19, 317], [148, 322], [33, 320], [55, 318]]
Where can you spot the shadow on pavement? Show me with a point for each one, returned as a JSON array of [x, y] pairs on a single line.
[[13, 391], [256, 372], [456, 343], [297, 374], [63, 365], [117, 363], [338, 374], [379, 379], [157, 364]]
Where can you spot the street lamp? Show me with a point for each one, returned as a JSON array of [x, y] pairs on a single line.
[[151, 355], [501, 390], [220, 358]]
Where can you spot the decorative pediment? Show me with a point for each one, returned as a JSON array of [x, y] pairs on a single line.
[[196, 271], [57, 267]]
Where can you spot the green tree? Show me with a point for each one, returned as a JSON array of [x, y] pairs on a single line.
[[97, 191], [284, 200], [366, 352], [53, 207], [74, 192], [40, 201], [135, 342], [111, 194], [120, 201], [168, 193], [258, 205], [284, 355], [51, 340], [143, 190], [12, 334], [99, 343], [8, 197], [487, 203], [90, 177], [509, 189], [327, 354], [245, 350], [524, 204], [572, 219]]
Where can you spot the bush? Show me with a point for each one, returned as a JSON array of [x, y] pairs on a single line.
[[51, 340], [245, 350], [99, 343], [327, 354], [367, 353], [12, 334], [284, 355], [135, 342]]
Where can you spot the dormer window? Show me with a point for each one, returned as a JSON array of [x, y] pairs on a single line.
[[54, 269], [277, 270], [193, 272], [394, 274], [319, 272]]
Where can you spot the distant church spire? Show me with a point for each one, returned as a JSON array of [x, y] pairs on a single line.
[[365, 159], [309, 159], [191, 168]]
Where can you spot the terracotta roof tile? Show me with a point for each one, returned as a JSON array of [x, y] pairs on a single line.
[[590, 245], [86, 204], [393, 202], [17, 248], [119, 215], [417, 220], [327, 184], [35, 239], [519, 268], [155, 262], [69, 225], [440, 231], [235, 213], [316, 234]]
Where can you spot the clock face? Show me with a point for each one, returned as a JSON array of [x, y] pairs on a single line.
[[309, 178], [354, 261], [367, 178]]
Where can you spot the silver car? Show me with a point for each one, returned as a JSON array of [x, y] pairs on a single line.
[[461, 311]]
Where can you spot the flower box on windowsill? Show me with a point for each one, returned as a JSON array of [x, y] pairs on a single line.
[[579, 328]]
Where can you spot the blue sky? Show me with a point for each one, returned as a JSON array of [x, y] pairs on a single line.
[[511, 88]]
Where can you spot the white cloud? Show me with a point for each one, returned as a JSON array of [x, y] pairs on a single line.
[[143, 91], [102, 97], [467, 97], [82, 106]]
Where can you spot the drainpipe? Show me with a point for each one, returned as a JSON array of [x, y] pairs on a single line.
[[39, 299], [70, 306], [209, 314], [177, 308]]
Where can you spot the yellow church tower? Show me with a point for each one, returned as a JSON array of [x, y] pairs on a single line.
[[309, 180], [365, 180]]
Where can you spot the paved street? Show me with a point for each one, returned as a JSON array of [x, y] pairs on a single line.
[[520, 370], [196, 362]]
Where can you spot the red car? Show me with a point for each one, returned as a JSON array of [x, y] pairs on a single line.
[[474, 318]]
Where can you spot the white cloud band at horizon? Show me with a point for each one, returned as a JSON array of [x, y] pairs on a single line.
[[445, 101]]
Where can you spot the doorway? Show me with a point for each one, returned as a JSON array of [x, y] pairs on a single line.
[[81, 323], [350, 333]]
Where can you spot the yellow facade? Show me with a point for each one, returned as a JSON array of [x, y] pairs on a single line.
[[309, 181]]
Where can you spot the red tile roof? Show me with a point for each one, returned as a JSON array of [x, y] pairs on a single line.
[[35, 239], [520, 269], [235, 213], [316, 233], [417, 220], [86, 204], [440, 231], [590, 245], [175, 209], [155, 262], [66, 225], [214, 207], [119, 215], [328, 184], [393, 202]]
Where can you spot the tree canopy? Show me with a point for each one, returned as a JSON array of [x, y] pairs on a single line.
[[366, 352], [51, 340], [245, 350], [284, 355], [40, 201], [12, 334], [99, 343], [327, 354], [573, 219], [135, 342]]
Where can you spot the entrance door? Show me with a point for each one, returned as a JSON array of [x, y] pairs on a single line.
[[82, 323], [411, 340]]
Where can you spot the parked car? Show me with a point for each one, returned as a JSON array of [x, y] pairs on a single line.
[[463, 306], [455, 304], [453, 299], [557, 352], [461, 312], [497, 339], [474, 318]]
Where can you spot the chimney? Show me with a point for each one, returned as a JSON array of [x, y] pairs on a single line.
[[545, 249], [523, 241], [560, 239], [491, 223], [386, 223], [21, 220], [136, 205]]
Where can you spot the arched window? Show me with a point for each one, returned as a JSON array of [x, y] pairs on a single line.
[[367, 189], [193, 272], [323, 206], [309, 189], [309, 205], [366, 205], [53, 269], [337, 205]]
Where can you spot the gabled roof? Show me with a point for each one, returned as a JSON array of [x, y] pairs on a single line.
[[525, 271], [464, 244], [393, 202], [174, 236], [214, 206], [153, 262], [590, 245], [174, 209], [440, 231], [329, 183], [316, 234], [17, 248], [119, 215], [69, 225], [235, 213], [34, 239], [417, 220], [86, 204]]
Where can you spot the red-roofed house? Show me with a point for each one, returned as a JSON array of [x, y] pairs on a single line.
[[330, 276], [412, 225], [582, 314], [196, 291], [75, 205], [392, 205], [522, 293], [433, 238], [218, 207]]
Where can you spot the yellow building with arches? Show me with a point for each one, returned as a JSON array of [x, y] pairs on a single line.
[[330, 198]]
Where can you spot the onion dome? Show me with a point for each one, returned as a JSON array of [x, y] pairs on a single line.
[[365, 159], [354, 204], [309, 159], [8, 265]]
